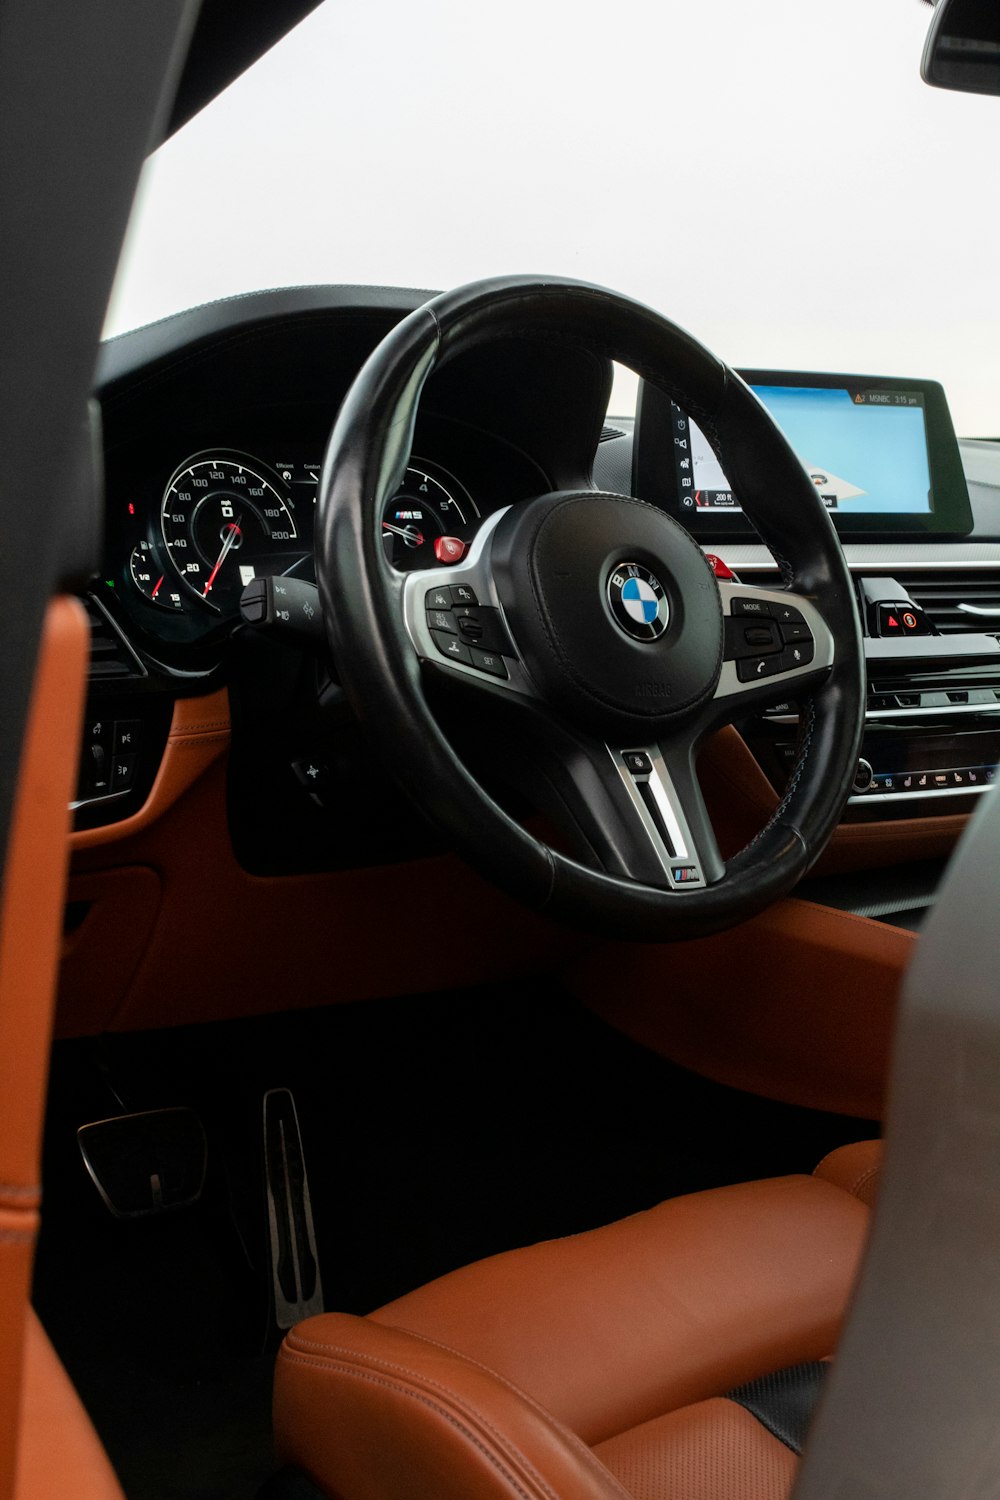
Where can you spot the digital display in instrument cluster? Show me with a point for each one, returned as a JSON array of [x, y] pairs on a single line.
[[226, 519], [223, 518]]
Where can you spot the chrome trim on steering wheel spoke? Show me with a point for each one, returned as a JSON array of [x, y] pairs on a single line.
[[476, 573], [661, 813]]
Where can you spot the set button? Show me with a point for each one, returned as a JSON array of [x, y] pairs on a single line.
[[489, 661]]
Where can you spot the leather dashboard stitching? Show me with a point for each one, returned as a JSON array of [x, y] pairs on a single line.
[[218, 726], [189, 741], [354, 1372]]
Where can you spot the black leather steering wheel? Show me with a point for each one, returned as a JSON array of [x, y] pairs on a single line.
[[600, 617]]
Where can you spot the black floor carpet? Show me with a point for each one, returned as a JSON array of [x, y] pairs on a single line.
[[436, 1130]]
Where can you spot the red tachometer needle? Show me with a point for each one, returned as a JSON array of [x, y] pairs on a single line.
[[411, 536], [232, 532]]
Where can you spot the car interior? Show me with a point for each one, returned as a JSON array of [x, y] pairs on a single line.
[[481, 874]]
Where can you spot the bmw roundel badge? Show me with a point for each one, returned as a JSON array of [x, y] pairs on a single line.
[[637, 601]]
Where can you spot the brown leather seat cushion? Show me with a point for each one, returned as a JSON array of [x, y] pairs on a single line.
[[577, 1366]]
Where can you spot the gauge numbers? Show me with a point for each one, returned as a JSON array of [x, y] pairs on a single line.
[[226, 521], [151, 580], [423, 509]]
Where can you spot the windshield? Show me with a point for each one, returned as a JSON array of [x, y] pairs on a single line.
[[776, 178]]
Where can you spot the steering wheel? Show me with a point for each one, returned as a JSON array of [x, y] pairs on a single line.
[[599, 617]]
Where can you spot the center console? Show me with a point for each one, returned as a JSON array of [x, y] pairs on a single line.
[[932, 729], [883, 455]]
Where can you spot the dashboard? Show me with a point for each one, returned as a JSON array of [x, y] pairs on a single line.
[[215, 424]]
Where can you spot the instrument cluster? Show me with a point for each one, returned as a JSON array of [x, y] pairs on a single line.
[[181, 551]]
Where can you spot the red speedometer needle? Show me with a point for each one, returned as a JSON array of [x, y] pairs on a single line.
[[232, 532]]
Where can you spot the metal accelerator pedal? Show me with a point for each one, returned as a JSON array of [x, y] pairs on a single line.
[[295, 1278]]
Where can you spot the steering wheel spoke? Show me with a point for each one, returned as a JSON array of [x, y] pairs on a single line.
[[662, 787], [455, 621], [777, 643]]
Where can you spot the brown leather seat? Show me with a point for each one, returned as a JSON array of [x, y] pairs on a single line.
[[590, 1367]]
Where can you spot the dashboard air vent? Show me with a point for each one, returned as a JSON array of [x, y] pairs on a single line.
[[608, 434], [958, 600], [110, 654]]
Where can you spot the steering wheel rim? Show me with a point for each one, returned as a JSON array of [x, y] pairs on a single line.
[[373, 614]]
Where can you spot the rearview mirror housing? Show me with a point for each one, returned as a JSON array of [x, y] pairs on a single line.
[[963, 47]]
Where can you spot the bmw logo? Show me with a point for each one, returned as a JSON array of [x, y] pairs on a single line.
[[637, 601]]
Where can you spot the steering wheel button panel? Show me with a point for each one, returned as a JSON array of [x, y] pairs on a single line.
[[802, 641]]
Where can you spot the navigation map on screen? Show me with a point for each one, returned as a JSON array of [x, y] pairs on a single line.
[[865, 450]]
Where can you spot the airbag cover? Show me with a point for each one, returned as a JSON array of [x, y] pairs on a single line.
[[560, 561]]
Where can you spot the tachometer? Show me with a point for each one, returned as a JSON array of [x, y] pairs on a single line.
[[226, 521], [422, 510]]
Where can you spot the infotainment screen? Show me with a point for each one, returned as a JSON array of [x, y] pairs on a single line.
[[881, 453]]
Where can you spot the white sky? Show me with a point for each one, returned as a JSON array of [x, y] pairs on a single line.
[[773, 176]]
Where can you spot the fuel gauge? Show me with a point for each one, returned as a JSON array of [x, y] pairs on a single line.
[[151, 580]]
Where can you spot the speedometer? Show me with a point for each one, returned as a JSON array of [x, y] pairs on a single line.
[[226, 521]]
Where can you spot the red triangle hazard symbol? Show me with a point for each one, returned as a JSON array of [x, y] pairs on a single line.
[[893, 623]]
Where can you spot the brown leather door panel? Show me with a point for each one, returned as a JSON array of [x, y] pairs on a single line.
[[798, 1004]]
